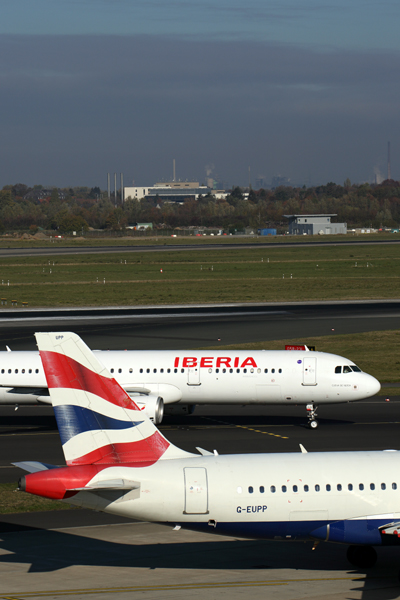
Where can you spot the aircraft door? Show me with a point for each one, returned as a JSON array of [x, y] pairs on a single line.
[[194, 376], [196, 491], [309, 371]]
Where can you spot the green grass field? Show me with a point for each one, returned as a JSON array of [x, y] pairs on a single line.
[[241, 275]]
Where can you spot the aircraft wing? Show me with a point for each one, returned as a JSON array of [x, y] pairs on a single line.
[[391, 529]]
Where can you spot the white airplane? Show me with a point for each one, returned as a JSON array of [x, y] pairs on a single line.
[[175, 381], [119, 463]]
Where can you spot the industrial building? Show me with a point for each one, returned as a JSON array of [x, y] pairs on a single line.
[[172, 191], [314, 224]]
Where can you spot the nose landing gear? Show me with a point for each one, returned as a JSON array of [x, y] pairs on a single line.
[[311, 414]]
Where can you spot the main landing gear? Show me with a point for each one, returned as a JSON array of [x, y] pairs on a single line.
[[311, 414], [363, 557]]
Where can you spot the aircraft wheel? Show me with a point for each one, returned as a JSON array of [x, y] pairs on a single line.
[[363, 557], [313, 424]]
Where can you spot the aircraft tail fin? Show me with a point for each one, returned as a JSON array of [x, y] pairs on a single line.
[[97, 420]]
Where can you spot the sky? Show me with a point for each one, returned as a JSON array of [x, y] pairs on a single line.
[[307, 90]]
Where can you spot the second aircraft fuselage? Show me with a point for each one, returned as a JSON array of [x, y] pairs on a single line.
[[205, 377]]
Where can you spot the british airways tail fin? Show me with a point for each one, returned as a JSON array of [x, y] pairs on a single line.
[[97, 420]]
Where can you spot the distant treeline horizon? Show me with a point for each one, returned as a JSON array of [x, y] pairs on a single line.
[[80, 208]]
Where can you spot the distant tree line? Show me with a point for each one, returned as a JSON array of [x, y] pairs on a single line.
[[81, 208]]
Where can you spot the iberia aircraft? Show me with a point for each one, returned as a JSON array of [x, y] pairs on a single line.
[[118, 462], [177, 381]]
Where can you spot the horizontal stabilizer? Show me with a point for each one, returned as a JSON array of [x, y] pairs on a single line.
[[204, 452], [33, 466], [110, 484]]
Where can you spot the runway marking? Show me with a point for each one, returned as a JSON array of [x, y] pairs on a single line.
[[249, 428], [184, 587]]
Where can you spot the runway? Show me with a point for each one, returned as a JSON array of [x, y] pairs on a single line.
[[58, 247], [80, 553], [149, 328]]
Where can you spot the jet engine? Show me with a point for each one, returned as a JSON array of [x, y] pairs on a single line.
[[152, 407]]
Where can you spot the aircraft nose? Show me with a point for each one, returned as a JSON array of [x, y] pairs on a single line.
[[373, 386]]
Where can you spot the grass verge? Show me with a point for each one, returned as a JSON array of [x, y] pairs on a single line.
[[241, 275], [12, 501]]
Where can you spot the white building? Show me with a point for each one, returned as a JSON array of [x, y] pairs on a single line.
[[314, 224], [172, 191]]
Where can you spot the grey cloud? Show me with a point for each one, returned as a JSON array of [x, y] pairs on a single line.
[[78, 107]]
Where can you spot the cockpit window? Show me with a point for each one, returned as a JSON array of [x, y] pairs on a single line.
[[346, 369], [356, 369], [338, 369]]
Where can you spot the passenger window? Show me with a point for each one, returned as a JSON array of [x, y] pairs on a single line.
[[217, 370], [9, 370], [224, 370], [284, 488], [244, 370], [237, 370], [36, 370], [131, 370], [261, 489], [328, 487], [154, 370], [16, 370], [361, 486], [317, 488], [372, 486], [175, 370], [273, 489], [250, 489], [168, 370], [350, 487], [30, 370], [140, 370], [210, 370], [23, 371], [147, 370], [295, 488], [394, 486], [239, 490], [161, 370], [230, 370], [306, 488], [258, 370], [383, 486], [2, 371], [111, 370], [265, 370], [119, 370], [338, 369], [339, 487], [182, 370], [272, 370], [280, 371]]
